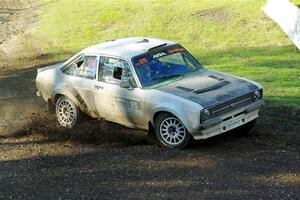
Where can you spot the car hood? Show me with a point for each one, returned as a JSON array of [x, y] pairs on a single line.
[[210, 87]]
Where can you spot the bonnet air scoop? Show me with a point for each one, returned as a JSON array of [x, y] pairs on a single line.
[[184, 88], [213, 87]]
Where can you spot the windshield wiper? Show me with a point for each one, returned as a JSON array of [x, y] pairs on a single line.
[[168, 76]]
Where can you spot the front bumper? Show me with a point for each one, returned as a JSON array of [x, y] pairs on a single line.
[[228, 121]]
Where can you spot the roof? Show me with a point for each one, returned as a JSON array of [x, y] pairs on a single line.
[[126, 47]]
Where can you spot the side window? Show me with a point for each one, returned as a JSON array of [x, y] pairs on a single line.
[[113, 70], [85, 67]]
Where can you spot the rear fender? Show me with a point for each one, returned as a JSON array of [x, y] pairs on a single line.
[[71, 93]]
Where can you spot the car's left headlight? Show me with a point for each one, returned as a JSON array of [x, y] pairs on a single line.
[[256, 95], [205, 115]]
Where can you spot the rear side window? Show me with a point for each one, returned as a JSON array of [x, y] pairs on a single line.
[[85, 67], [111, 70]]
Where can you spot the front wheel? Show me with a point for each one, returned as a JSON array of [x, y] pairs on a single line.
[[67, 112], [171, 132]]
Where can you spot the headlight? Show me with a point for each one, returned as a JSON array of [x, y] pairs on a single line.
[[256, 95], [205, 115]]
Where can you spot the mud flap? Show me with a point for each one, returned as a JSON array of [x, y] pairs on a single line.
[[151, 138], [50, 107]]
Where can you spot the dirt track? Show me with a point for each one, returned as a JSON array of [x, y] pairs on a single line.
[[101, 160]]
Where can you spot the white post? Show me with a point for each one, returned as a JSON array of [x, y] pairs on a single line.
[[287, 16]]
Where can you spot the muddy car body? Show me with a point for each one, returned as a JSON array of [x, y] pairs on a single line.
[[149, 83]]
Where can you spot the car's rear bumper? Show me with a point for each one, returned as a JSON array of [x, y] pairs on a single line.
[[227, 122]]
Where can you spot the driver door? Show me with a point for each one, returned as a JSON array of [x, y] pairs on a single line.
[[113, 102]]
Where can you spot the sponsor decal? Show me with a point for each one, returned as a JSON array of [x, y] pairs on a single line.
[[159, 55], [145, 58], [128, 103], [167, 52], [176, 50]]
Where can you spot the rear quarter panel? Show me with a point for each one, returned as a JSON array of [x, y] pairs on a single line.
[[46, 81]]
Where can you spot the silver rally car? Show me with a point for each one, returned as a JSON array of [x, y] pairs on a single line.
[[150, 84]]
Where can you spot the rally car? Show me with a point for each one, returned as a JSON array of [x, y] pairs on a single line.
[[151, 84]]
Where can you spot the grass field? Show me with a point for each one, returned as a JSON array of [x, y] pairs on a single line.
[[229, 35]]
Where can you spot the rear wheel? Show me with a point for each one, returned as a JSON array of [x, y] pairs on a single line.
[[67, 112], [171, 132]]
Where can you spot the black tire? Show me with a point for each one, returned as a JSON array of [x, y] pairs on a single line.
[[174, 135], [67, 113]]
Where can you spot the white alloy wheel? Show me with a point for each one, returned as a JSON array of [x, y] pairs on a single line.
[[66, 112], [171, 132]]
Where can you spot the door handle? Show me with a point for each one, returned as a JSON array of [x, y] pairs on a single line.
[[98, 87]]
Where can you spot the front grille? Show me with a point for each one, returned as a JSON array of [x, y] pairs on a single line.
[[231, 105]]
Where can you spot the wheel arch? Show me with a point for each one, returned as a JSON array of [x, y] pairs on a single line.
[[68, 94], [75, 96], [68, 91], [183, 141], [159, 111], [55, 96], [156, 114]]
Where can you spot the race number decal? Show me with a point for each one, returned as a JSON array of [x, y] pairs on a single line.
[[141, 62]]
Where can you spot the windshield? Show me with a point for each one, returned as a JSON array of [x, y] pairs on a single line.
[[164, 63]]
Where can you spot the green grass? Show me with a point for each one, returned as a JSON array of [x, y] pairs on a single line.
[[228, 35], [296, 2]]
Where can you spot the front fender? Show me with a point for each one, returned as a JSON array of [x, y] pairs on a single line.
[[186, 116]]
